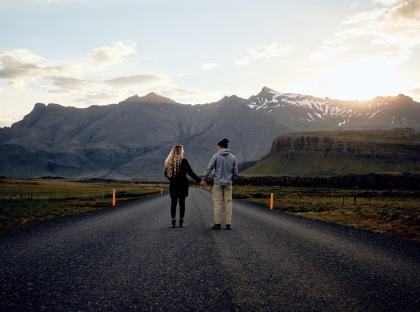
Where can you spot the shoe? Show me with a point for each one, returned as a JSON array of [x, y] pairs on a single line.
[[173, 223], [181, 223], [228, 227], [216, 227]]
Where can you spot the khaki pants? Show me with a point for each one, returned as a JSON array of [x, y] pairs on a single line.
[[222, 195]]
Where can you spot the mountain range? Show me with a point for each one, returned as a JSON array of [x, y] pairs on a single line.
[[131, 139]]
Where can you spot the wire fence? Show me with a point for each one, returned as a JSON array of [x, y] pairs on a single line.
[[104, 193]]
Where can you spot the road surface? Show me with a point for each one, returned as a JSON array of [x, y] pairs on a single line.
[[126, 258]]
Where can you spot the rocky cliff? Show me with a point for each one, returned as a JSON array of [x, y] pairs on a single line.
[[330, 153]]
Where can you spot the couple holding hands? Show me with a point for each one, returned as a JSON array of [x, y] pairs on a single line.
[[225, 169]]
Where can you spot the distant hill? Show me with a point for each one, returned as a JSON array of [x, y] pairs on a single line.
[[131, 139], [332, 153]]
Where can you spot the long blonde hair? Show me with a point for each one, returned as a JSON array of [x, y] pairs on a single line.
[[173, 161]]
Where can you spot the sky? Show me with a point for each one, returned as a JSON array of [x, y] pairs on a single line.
[[81, 53]]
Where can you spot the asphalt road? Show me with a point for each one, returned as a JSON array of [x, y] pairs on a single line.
[[126, 258]]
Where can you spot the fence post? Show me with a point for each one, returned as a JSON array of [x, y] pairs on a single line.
[[113, 197], [271, 201]]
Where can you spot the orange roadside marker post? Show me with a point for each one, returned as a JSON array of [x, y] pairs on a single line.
[[272, 201], [113, 197]]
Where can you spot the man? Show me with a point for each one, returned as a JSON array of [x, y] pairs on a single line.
[[225, 171]]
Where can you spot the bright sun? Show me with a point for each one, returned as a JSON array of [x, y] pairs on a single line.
[[359, 80]]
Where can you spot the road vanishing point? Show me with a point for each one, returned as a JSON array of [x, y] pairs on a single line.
[[127, 258]]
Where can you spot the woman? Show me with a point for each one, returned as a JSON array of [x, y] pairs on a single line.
[[176, 170]]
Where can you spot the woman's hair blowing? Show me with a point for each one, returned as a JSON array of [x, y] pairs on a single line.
[[173, 161]]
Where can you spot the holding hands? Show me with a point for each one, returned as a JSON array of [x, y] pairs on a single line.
[[202, 183]]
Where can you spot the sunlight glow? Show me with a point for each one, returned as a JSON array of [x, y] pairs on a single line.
[[359, 80]]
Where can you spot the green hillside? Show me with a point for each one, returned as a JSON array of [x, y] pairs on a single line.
[[330, 153]]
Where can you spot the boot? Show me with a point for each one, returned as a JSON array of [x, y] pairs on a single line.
[[173, 222], [181, 223]]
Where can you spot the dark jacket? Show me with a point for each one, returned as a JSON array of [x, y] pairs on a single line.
[[178, 185]]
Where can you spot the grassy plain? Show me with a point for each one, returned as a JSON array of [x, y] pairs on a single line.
[[386, 211], [23, 201]]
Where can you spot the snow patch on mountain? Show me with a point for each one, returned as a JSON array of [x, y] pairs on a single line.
[[270, 99], [317, 109]]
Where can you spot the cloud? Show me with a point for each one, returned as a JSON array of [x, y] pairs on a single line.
[[325, 52], [141, 81], [96, 98], [19, 66], [273, 50], [386, 2], [71, 81], [104, 57], [190, 96], [70, 84], [209, 66], [354, 5], [242, 61], [409, 9], [392, 26], [398, 27], [414, 92], [365, 17], [99, 59], [175, 92]]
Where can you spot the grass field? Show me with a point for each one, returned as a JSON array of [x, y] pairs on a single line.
[[390, 212], [23, 201]]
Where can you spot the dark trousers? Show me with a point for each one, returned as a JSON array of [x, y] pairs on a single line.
[[174, 202]]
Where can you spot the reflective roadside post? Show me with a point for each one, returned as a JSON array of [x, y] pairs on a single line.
[[272, 201], [113, 197]]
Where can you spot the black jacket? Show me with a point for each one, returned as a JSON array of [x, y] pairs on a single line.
[[178, 185]]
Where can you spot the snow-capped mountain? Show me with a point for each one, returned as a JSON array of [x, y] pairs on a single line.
[[131, 139], [308, 112]]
